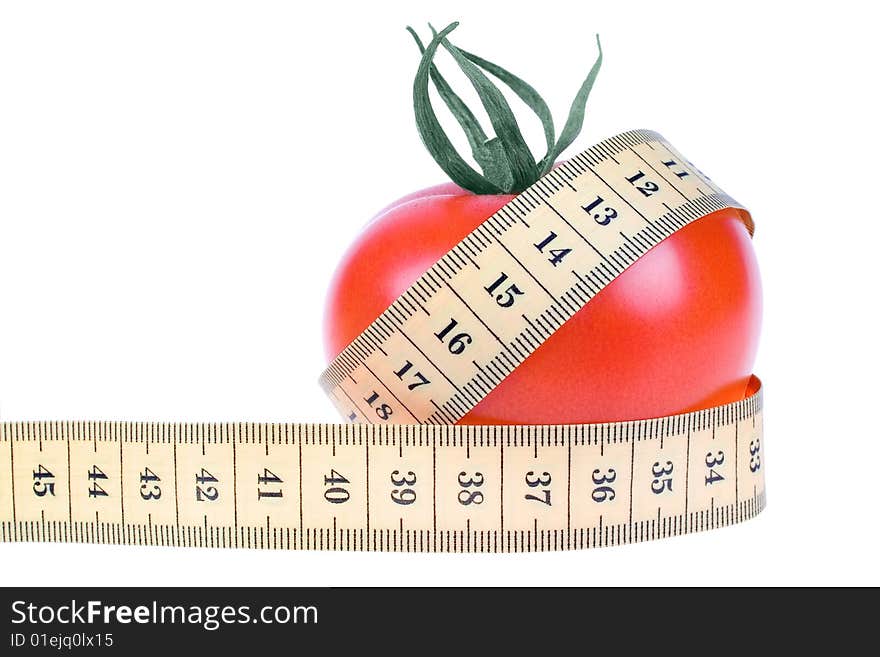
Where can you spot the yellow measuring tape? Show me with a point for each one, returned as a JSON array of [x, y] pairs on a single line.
[[401, 477]]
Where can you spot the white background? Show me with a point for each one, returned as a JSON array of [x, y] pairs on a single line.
[[171, 209]]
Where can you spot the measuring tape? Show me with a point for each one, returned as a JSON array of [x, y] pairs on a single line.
[[402, 477]]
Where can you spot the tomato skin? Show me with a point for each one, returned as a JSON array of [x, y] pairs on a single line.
[[675, 332]]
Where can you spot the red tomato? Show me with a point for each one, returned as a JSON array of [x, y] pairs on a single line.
[[677, 331]]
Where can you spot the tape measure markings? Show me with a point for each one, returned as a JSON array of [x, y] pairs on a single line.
[[493, 369], [492, 365], [401, 487], [457, 331]]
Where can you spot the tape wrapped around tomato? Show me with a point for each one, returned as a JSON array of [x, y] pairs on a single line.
[[676, 331]]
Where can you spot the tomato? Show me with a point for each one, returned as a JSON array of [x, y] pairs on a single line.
[[675, 332]]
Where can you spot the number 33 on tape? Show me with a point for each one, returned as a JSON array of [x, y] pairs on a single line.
[[426, 485]]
